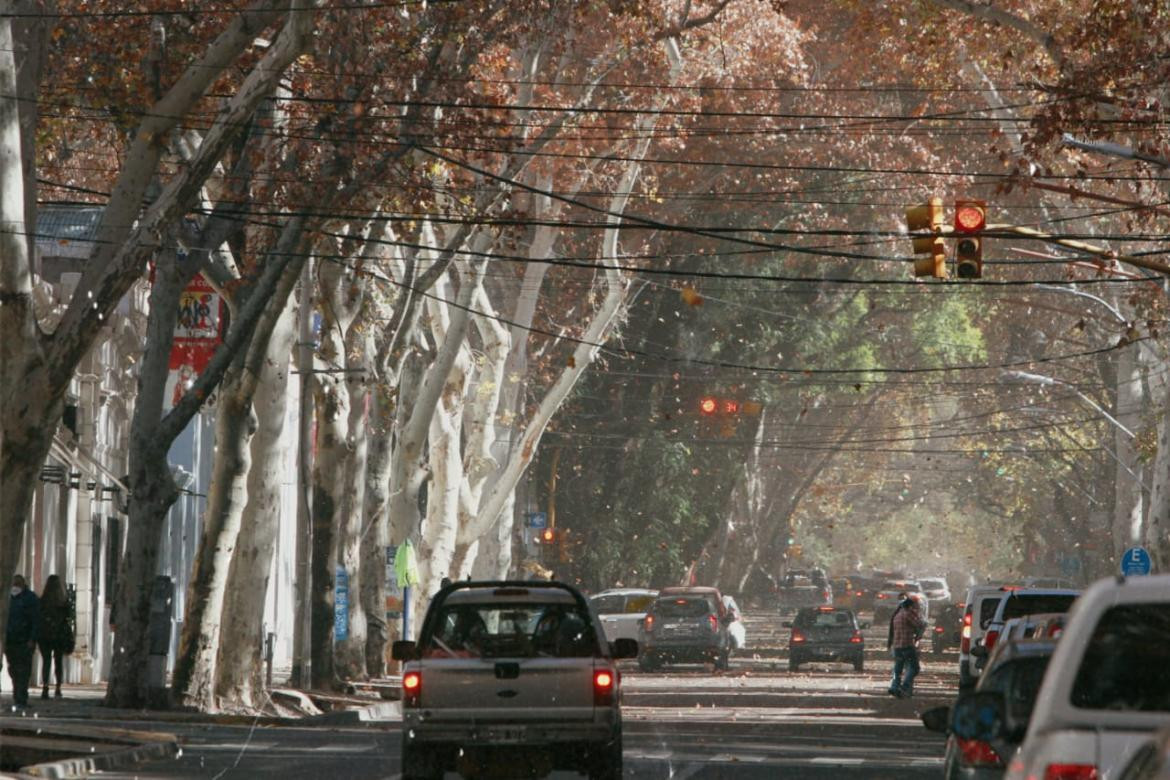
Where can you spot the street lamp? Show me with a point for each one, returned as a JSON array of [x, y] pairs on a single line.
[[1047, 381]]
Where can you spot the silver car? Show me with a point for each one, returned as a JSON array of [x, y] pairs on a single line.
[[512, 671]]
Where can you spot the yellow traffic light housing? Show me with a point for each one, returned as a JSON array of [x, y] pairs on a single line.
[[922, 218]]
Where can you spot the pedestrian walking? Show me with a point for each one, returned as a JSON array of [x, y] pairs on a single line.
[[55, 633], [20, 638], [907, 627]]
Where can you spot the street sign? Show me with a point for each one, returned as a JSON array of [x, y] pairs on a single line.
[[537, 520], [341, 606], [1135, 561]]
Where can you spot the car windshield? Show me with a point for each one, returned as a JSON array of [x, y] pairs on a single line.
[[818, 618], [619, 604], [1124, 666], [682, 607], [510, 631], [609, 605], [1022, 604], [987, 609]]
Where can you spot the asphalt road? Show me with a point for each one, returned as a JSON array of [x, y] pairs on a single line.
[[756, 721]]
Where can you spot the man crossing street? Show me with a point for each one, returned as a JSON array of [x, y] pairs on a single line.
[[907, 628]]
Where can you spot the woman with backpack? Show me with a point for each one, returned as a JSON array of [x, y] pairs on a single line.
[[55, 636]]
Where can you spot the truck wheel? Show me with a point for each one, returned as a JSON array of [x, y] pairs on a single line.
[[605, 760], [419, 763]]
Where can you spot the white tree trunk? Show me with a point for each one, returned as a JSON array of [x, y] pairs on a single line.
[[586, 351], [350, 653], [1158, 524], [1127, 508], [440, 527], [240, 665], [376, 530]]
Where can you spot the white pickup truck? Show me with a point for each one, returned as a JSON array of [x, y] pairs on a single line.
[[514, 677], [1105, 693]]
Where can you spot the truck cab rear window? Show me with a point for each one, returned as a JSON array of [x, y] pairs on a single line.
[[511, 631]]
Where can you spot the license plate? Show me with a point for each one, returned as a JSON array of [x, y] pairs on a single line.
[[505, 735]]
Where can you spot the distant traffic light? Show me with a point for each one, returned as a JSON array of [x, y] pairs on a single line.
[[970, 219], [710, 406], [922, 218], [548, 536]]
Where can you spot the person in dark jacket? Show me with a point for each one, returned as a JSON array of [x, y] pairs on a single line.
[[20, 637], [55, 633]]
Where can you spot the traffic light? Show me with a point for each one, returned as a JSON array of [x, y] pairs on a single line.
[[970, 219], [710, 406], [548, 536], [922, 218]]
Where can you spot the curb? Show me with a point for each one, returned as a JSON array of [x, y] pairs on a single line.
[[385, 711], [154, 747]]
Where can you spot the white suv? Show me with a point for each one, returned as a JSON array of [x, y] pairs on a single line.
[[1107, 688], [513, 671]]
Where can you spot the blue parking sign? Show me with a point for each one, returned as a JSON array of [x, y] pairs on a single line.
[[1135, 562], [341, 606], [537, 520]]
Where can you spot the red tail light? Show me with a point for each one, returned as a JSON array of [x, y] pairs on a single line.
[[974, 752], [857, 593], [604, 684], [648, 623], [411, 688], [713, 622], [989, 639], [883, 596], [965, 643], [939, 629], [856, 638], [797, 636], [1071, 772]]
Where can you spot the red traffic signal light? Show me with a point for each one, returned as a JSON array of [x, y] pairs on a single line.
[[970, 216], [708, 406], [548, 536]]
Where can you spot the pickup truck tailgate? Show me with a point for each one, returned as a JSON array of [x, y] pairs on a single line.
[[519, 688]]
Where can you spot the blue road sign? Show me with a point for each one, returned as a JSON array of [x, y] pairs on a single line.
[[537, 520], [341, 606], [1136, 561]]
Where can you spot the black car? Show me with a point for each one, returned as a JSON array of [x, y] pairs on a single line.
[[826, 634], [948, 625]]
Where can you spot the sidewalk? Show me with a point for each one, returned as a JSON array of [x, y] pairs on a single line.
[[75, 734], [85, 702]]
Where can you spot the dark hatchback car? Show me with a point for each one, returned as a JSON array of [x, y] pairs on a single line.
[[826, 634], [686, 625], [1015, 671]]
